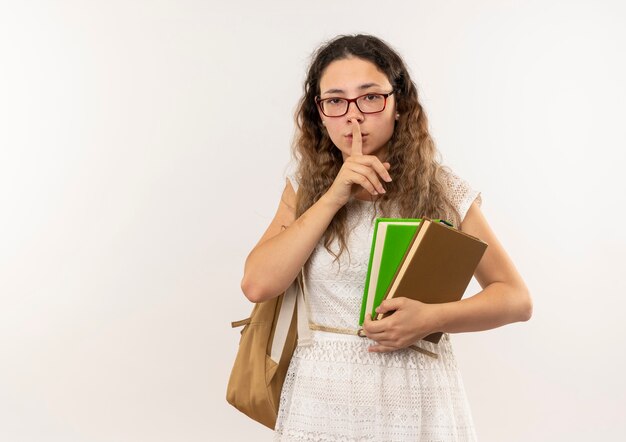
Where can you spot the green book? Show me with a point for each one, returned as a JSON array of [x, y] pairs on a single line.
[[392, 237]]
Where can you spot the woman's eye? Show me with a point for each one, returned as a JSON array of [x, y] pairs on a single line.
[[372, 97], [334, 100]]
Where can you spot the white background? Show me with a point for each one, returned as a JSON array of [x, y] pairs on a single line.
[[143, 146]]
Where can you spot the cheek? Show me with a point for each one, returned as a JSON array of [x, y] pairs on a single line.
[[387, 127], [334, 132]]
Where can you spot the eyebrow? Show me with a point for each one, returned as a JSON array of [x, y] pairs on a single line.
[[341, 91]]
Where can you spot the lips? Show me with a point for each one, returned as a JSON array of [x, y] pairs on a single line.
[[350, 135]]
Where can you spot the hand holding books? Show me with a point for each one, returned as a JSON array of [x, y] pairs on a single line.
[[411, 320], [419, 259]]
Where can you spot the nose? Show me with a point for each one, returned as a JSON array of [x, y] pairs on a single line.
[[354, 112]]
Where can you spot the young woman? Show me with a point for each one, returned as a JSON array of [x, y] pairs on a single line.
[[363, 152]]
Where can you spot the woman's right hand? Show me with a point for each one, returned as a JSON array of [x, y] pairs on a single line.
[[358, 171]]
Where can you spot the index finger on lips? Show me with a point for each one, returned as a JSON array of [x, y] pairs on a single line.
[[357, 140]]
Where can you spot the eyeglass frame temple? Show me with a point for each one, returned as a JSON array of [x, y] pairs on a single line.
[[319, 99]]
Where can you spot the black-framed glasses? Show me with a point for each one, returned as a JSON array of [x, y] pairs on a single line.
[[370, 103]]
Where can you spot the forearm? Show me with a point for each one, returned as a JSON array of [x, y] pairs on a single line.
[[496, 305], [273, 265]]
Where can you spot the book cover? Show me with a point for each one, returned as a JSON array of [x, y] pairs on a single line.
[[391, 239], [436, 267]]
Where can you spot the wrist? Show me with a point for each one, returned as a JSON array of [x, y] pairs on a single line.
[[441, 316], [329, 202]]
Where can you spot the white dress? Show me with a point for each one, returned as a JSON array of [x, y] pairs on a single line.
[[335, 390]]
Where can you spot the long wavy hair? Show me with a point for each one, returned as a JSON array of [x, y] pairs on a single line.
[[418, 188]]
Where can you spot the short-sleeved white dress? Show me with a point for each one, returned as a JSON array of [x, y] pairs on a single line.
[[335, 390]]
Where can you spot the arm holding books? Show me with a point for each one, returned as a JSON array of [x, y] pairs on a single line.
[[504, 299]]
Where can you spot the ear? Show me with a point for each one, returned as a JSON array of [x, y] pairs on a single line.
[[321, 115]]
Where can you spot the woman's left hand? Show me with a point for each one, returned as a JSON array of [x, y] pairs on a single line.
[[411, 321]]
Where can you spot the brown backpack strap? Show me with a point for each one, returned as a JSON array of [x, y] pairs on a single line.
[[240, 323]]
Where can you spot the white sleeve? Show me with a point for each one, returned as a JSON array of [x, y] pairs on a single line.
[[294, 182], [461, 193]]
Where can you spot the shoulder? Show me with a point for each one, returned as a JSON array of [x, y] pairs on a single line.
[[285, 214], [291, 174], [453, 181], [293, 180], [459, 191]]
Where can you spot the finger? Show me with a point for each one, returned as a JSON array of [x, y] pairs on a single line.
[[391, 304], [374, 162], [388, 342], [357, 140], [380, 168], [380, 349], [371, 183], [371, 327]]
